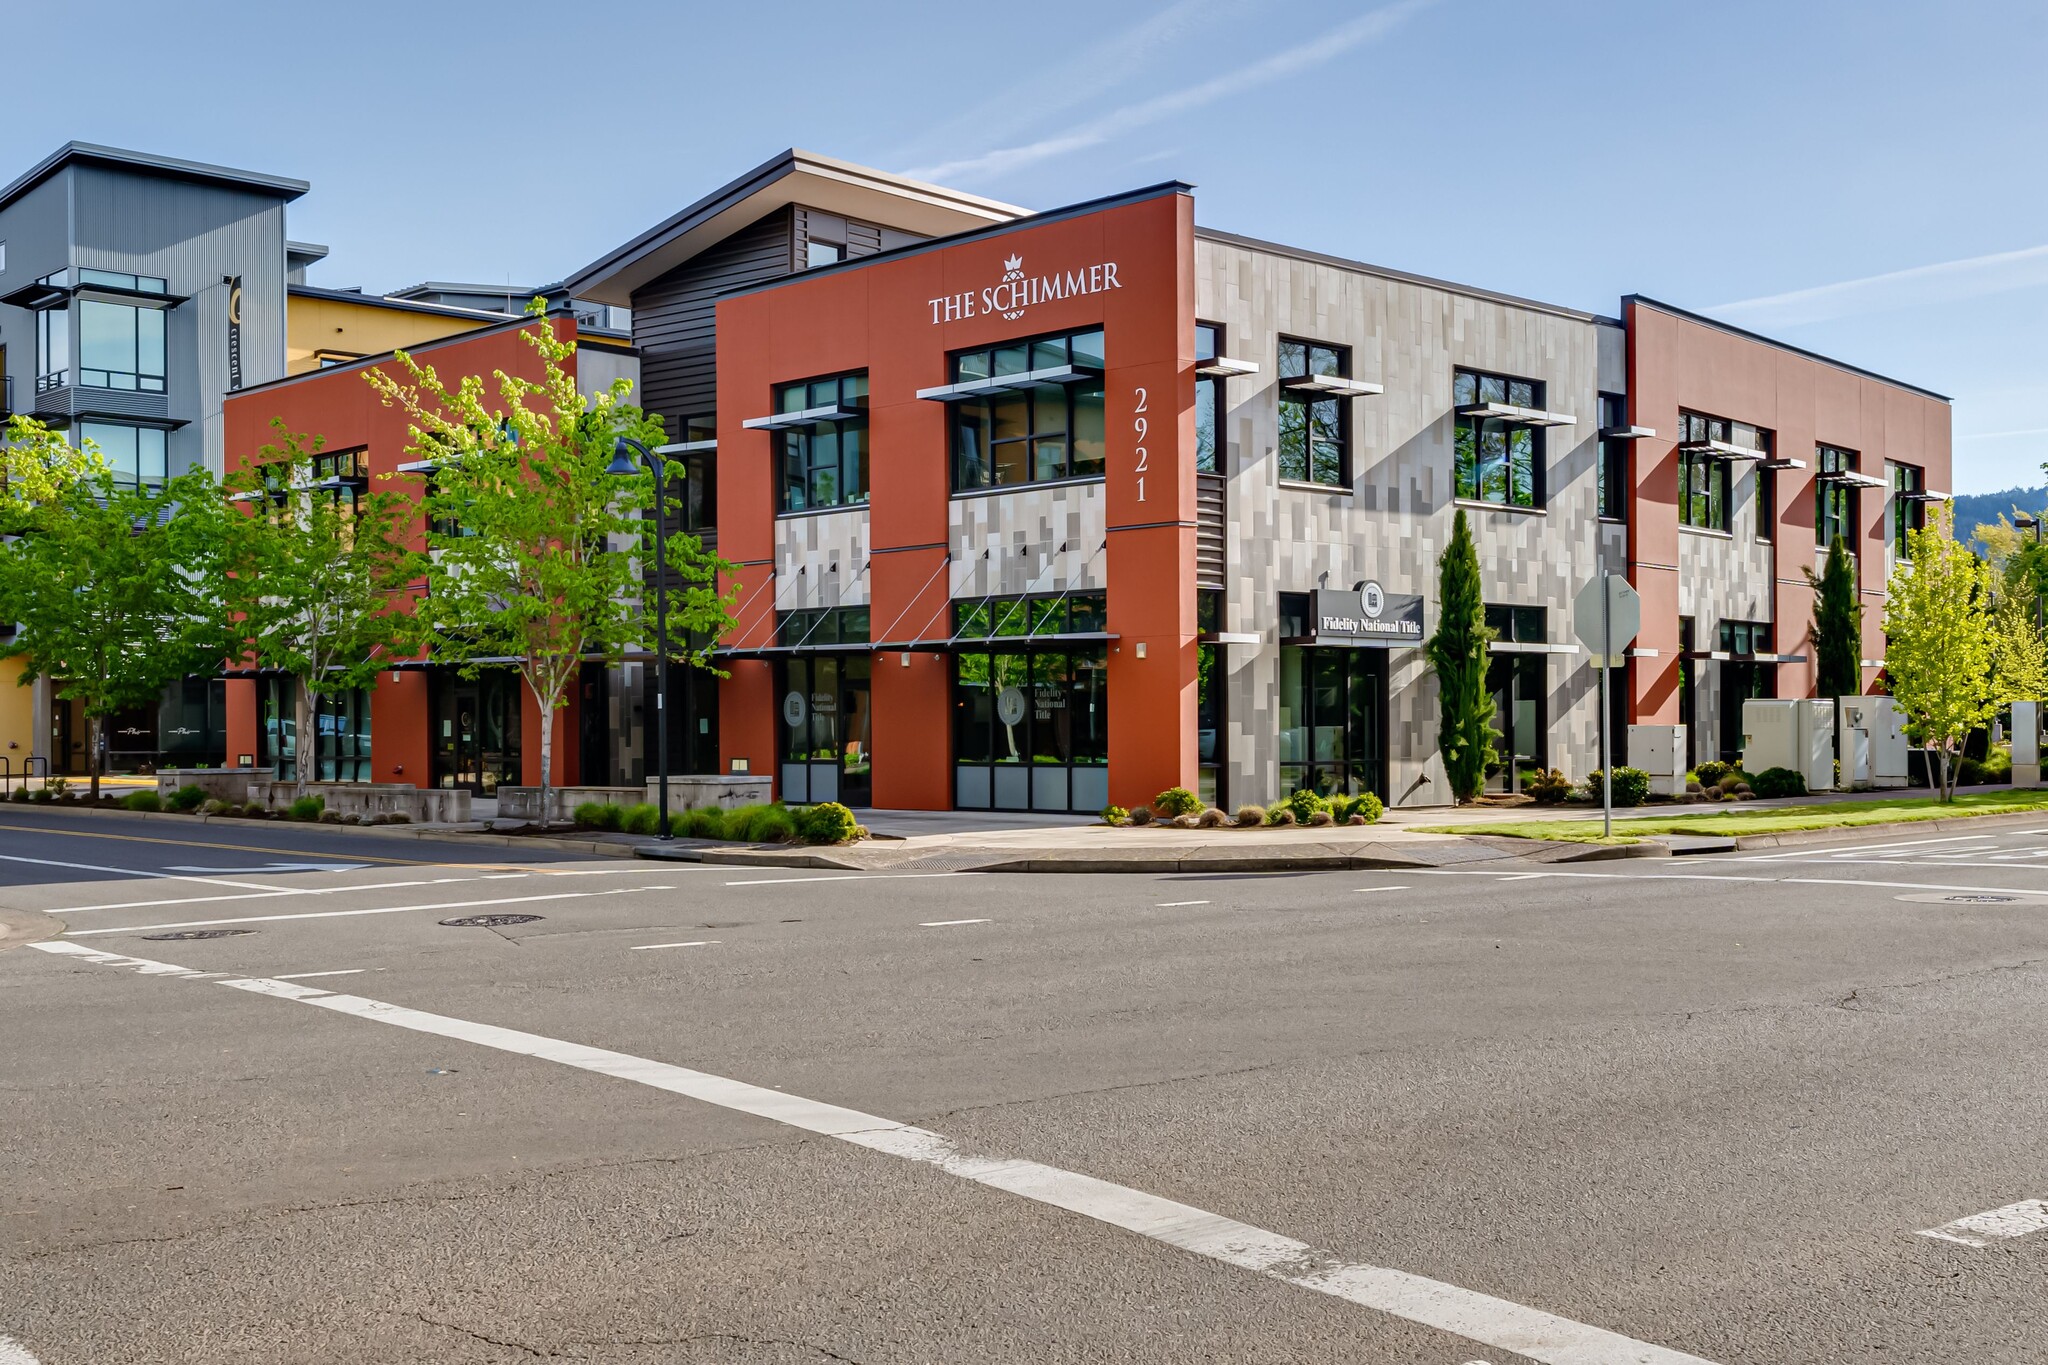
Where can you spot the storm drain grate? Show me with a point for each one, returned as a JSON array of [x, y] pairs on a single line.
[[488, 921], [184, 935]]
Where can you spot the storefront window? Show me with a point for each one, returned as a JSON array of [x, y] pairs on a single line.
[[825, 464], [1049, 430], [341, 723], [1031, 723], [1332, 705], [1520, 697]]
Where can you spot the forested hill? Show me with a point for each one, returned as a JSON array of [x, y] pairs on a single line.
[[1975, 508]]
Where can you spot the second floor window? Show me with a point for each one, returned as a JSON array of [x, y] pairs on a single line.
[[1314, 445], [135, 454], [1909, 510], [1049, 430], [1208, 401], [1497, 460], [348, 470], [1834, 504], [1611, 478], [120, 347], [53, 349], [825, 464]]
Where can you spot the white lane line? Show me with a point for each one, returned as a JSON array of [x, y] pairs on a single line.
[[1175, 905], [1450, 1308], [273, 867], [641, 948], [1382, 888], [340, 914], [1713, 877], [1982, 1229], [13, 1352], [133, 872], [849, 877], [304, 976], [261, 895], [942, 923]]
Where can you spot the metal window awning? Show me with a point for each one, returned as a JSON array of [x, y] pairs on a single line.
[[1227, 637], [688, 447], [1516, 416], [1782, 464], [1053, 375], [1628, 433], [1723, 450], [1530, 647], [1331, 386], [36, 296], [419, 466], [792, 651], [1347, 642], [1761, 658], [1849, 478], [1736, 656], [975, 644], [1923, 495], [1225, 367], [807, 417]]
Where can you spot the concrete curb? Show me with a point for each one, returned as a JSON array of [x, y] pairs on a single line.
[[450, 833], [1603, 853]]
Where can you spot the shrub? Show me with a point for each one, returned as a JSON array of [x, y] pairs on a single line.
[[1631, 786], [1115, 815], [1370, 806], [705, 822], [760, 824], [142, 801], [1305, 803], [1730, 781], [307, 808], [1177, 801], [1213, 819], [1712, 771], [216, 807], [1742, 789], [1773, 782], [41, 794], [598, 815], [1250, 815], [18, 794], [1142, 816], [187, 797], [1320, 817], [640, 818], [1548, 788], [828, 822], [1692, 786], [56, 786], [398, 817], [256, 810], [1190, 820], [1280, 815], [331, 817], [1994, 767]]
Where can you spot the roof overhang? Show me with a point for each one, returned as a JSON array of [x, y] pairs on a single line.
[[795, 177], [142, 163]]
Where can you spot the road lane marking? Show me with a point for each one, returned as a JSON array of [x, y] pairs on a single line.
[[641, 948], [849, 877], [341, 914], [261, 895], [13, 1352], [201, 843], [1382, 888], [1175, 905], [1867, 848], [304, 976], [1466, 1313], [942, 923], [132, 872], [273, 867], [1724, 877], [1982, 1229]]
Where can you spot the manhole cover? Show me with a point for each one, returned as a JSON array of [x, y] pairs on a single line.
[[488, 921], [185, 934], [1971, 898]]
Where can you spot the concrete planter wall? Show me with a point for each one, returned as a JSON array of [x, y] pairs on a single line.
[[523, 803], [685, 793], [421, 806], [219, 784]]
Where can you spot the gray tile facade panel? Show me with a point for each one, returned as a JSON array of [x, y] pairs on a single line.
[[1029, 540], [821, 560]]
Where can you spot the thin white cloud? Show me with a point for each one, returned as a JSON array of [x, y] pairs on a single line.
[[1290, 61], [2001, 435], [1943, 282]]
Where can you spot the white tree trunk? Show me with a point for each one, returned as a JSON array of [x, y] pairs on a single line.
[[95, 729], [308, 741]]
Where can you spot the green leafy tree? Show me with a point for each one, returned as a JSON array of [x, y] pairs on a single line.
[[1837, 629], [1458, 653], [38, 464], [1938, 652], [2019, 654], [115, 589], [536, 548], [317, 561]]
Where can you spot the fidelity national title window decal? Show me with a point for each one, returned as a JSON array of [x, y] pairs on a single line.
[[1016, 292]]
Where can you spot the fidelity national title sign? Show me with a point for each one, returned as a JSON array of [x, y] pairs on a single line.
[[1014, 294], [1366, 615]]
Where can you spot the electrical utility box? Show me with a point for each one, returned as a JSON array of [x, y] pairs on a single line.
[[1870, 736], [1799, 735], [1659, 750]]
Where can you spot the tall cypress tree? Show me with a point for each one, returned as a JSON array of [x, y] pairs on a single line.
[[1457, 652], [1837, 630]]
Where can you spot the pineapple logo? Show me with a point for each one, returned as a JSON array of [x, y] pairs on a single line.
[[1013, 274]]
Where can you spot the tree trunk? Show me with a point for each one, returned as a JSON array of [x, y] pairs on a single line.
[[308, 741], [95, 728], [545, 704]]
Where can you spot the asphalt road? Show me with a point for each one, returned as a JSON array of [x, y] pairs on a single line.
[[1649, 1112]]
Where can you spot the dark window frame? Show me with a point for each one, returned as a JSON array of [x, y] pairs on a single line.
[[1210, 454], [1611, 473], [804, 466], [1081, 410], [1328, 415], [1837, 508], [1469, 436], [1909, 514]]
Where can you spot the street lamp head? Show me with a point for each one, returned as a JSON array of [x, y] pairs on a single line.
[[623, 463]]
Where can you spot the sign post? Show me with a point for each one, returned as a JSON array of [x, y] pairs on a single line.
[[1606, 615]]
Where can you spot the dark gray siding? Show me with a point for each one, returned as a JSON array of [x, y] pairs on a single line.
[[672, 317]]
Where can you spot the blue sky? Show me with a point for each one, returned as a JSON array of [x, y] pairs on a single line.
[[1865, 179]]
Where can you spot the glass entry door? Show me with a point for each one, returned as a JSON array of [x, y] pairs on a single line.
[[476, 731], [826, 730]]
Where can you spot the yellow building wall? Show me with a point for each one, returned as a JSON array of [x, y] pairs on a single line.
[[314, 327], [17, 715]]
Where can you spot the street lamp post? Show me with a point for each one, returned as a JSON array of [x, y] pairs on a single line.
[[2023, 521], [623, 465]]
